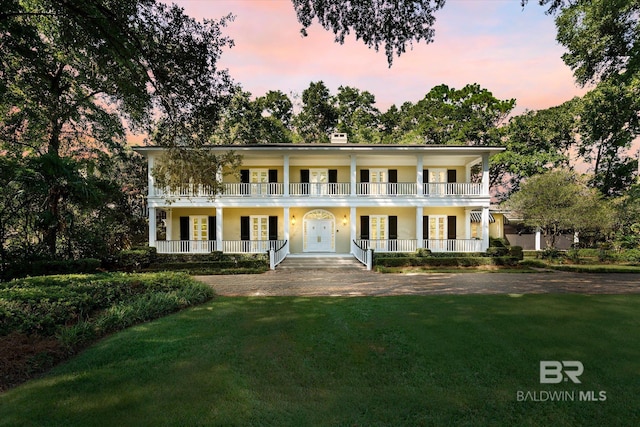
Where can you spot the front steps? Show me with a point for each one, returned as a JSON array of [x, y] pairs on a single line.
[[321, 262]]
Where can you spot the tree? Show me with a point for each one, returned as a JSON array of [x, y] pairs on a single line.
[[609, 122], [318, 116], [247, 121], [535, 142], [390, 23], [468, 116], [357, 115], [76, 73], [558, 201]]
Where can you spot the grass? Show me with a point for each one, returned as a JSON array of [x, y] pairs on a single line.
[[406, 360]]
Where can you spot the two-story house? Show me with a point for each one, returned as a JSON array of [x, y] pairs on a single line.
[[331, 198]]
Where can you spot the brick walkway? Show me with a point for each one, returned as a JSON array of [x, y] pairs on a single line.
[[359, 283]]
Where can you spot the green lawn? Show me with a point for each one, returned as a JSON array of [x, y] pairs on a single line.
[[427, 360]]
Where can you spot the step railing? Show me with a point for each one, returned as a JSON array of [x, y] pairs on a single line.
[[364, 255], [278, 254]]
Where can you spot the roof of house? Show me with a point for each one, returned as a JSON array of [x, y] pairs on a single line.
[[356, 148]]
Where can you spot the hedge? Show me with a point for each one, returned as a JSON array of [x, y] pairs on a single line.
[[42, 268], [444, 261]]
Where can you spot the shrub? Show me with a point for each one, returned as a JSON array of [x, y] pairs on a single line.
[[516, 252], [135, 259], [629, 255], [42, 268], [497, 251]]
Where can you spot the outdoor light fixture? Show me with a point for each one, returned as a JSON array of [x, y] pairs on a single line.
[[344, 220], [293, 220]]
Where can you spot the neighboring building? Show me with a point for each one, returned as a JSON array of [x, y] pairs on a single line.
[[331, 198]]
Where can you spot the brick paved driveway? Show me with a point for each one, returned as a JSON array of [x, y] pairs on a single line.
[[358, 283]]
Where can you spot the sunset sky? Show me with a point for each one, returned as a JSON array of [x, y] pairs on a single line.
[[505, 48]]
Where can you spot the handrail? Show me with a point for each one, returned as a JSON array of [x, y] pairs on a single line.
[[277, 255], [365, 256]]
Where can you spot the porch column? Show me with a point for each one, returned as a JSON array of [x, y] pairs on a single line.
[[419, 215], [420, 181], [352, 225], [150, 180], [169, 224], [219, 228], [353, 178], [538, 238], [485, 228], [287, 223], [485, 173], [286, 178], [152, 227], [467, 223]]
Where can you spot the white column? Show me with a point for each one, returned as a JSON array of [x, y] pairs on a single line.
[[152, 227], [485, 228], [219, 228], [353, 175], [538, 239], [420, 180], [352, 225], [169, 224], [287, 223], [485, 173], [286, 176], [150, 180], [419, 230]]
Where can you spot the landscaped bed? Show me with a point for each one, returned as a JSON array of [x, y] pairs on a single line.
[[426, 360], [46, 319]]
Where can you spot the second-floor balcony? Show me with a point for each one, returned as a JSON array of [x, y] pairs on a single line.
[[339, 189]]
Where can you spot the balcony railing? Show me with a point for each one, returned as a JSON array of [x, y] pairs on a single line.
[[185, 246], [320, 189], [453, 189], [208, 246], [254, 189], [387, 189], [298, 189], [411, 245]]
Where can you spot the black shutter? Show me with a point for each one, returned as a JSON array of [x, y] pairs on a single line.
[[425, 227], [393, 227], [425, 180], [451, 227], [244, 180], [364, 178], [244, 228], [393, 181], [273, 228], [304, 179], [212, 228], [333, 180], [364, 227], [184, 228], [451, 175], [273, 175]]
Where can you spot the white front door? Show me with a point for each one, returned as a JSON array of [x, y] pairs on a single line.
[[319, 235], [259, 179]]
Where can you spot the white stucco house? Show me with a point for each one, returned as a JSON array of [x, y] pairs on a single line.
[[336, 198]]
